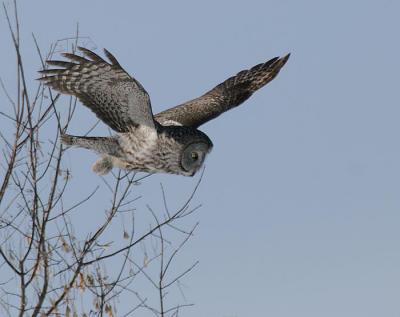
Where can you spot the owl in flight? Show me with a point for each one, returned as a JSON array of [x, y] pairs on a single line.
[[167, 142]]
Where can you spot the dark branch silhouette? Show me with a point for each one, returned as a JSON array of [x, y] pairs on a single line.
[[50, 265]]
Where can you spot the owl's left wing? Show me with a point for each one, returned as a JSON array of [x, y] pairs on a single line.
[[106, 88], [225, 96]]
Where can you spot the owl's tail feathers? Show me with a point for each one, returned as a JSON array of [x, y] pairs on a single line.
[[67, 139], [101, 145]]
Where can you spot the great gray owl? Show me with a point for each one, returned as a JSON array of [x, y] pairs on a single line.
[[167, 142]]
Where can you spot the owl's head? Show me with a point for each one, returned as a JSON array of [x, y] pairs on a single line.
[[193, 145], [193, 156]]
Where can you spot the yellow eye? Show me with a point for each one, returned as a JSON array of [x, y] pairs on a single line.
[[194, 156]]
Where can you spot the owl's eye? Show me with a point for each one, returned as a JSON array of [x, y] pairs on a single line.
[[194, 156]]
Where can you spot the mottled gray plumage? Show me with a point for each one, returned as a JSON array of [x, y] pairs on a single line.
[[167, 142], [116, 98], [225, 96]]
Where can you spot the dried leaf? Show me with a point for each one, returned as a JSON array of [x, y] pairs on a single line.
[[81, 285], [126, 235], [96, 303], [67, 311], [108, 310], [90, 279], [65, 245]]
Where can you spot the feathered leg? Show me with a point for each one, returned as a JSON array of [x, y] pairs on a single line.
[[103, 165]]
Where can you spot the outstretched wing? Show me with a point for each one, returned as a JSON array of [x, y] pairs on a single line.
[[115, 97], [227, 95]]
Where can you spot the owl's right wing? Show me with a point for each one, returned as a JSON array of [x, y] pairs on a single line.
[[106, 88], [223, 97]]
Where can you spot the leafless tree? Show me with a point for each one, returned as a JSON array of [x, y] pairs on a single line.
[[52, 265]]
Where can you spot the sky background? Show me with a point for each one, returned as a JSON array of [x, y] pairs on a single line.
[[300, 196]]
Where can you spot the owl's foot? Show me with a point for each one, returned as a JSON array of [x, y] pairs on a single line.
[[103, 165]]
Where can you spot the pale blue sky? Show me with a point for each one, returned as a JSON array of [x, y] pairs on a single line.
[[301, 205]]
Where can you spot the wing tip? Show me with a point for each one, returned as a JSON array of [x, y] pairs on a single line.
[[277, 62], [111, 57], [285, 58], [91, 55], [82, 49]]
